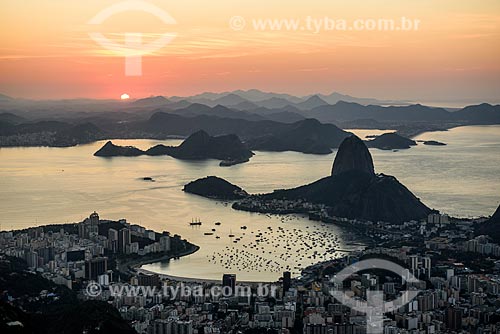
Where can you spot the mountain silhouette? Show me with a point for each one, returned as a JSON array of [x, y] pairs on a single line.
[[354, 190], [391, 141], [353, 155]]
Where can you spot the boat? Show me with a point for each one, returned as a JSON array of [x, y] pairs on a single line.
[[195, 222]]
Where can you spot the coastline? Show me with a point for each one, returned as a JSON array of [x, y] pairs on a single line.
[[133, 265], [195, 280]]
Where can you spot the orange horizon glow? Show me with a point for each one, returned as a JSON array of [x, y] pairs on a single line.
[[47, 53]]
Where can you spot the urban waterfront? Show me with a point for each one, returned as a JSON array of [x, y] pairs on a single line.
[[60, 185]]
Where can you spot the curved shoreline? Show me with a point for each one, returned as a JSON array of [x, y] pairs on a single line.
[[196, 280], [134, 265]]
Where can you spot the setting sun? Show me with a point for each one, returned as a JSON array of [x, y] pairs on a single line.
[[124, 97]]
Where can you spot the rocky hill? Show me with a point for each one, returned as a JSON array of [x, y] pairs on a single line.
[[391, 141], [111, 150], [215, 187], [352, 191], [353, 155], [307, 136], [198, 146], [355, 191]]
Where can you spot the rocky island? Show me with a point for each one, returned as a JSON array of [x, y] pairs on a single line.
[[352, 191], [111, 150], [433, 143], [198, 146], [216, 188], [391, 141]]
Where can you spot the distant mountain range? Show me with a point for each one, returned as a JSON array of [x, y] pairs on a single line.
[[10, 118], [275, 100], [344, 111], [266, 121], [5, 97], [323, 108], [307, 136]]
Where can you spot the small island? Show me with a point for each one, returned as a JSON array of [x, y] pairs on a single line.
[[111, 150], [391, 141], [198, 146], [434, 143], [229, 163], [215, 188]]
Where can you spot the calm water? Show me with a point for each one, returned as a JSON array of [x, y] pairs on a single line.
[[40, 186]]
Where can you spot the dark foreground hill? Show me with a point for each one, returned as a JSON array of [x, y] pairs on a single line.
[[491, 227], [58, 311]]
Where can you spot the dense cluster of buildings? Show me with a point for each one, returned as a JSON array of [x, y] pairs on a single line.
[[482, 245], [451, 298], [68, 253], [458, 287], [278, 206]]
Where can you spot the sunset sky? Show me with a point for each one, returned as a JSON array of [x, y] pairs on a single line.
[[46, 51]]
